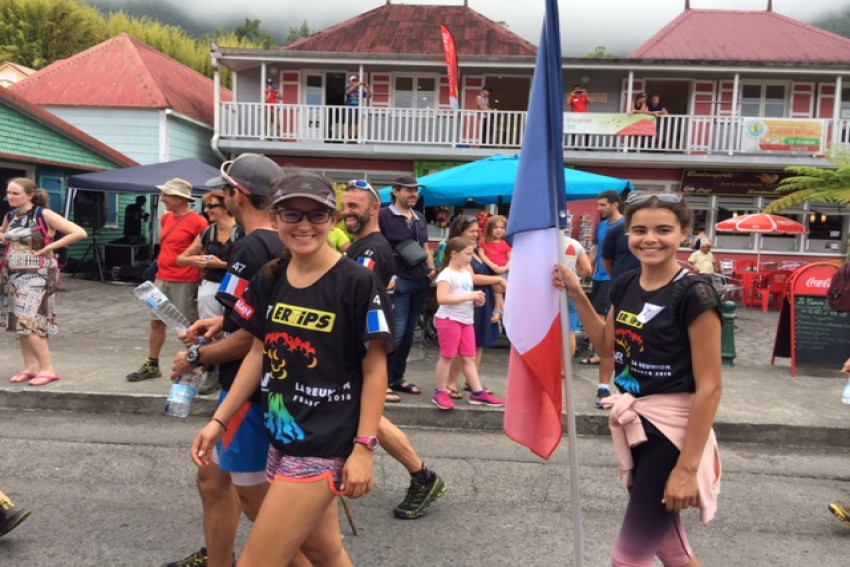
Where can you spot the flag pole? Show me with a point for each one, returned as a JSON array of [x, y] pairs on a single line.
[[569, 398]]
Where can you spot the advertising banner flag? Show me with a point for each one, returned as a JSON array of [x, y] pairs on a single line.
[[450, 49]]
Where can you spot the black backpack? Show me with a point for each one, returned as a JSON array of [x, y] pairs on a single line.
[[839, 290]]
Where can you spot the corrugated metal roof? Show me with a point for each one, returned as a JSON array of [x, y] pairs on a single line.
[[733, 35], [72, 158], [122, 72], [411, 29]]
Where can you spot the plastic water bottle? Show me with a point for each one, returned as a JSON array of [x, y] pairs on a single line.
[[845, 397], [183, 392], [157, 302]]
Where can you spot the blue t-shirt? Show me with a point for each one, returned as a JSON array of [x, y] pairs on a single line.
[[600, 274]]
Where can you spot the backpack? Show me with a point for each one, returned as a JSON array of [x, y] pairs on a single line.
[[838, 294]]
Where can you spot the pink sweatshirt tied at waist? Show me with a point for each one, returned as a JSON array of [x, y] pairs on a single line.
[[669, 413]]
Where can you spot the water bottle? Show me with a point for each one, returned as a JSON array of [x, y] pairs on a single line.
[[845, 397], [157, 302], [183, 392]]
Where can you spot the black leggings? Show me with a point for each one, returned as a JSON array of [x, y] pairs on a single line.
[[648, 528]]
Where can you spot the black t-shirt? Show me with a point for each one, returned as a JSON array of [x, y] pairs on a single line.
[[375, 253], [616, 248], [315, 339], [246, 257], [221, 250], [396, 229], [652, 349]]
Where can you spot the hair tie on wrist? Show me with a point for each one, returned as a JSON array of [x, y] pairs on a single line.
[[221, 423]]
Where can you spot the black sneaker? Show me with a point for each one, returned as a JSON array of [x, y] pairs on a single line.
[[146, 372], [11, 517], [601, 394], [420, 496], [197, 559]]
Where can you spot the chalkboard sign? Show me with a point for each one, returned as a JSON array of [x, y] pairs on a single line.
[[823, 335]]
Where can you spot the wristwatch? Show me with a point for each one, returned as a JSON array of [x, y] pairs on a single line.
[[193, 357], [370, 443]]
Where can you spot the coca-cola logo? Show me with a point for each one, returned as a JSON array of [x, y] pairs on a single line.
[[814, 282]]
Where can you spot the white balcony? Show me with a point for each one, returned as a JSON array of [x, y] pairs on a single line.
[[676, 134]]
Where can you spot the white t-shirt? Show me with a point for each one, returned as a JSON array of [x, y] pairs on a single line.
[[460, 283]]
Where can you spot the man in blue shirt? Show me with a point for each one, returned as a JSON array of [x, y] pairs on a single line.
[[608, 205]]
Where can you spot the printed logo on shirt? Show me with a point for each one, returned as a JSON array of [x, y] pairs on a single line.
[[629, 319], [367, 263], [376, 322], [243, 309], [303, 318]]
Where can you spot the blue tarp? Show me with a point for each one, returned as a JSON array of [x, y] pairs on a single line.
[[491, 181]]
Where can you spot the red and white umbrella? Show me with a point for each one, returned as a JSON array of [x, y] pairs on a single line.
[[761, 223]]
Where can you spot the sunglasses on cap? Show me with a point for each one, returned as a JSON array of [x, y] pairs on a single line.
[[636, 197], [232, 182], [365, 185]]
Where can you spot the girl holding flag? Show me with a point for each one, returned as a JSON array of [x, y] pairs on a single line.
[[662, 421]]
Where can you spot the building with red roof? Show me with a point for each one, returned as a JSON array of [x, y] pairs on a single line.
[[11, 73], [131, 97], [746, 93]]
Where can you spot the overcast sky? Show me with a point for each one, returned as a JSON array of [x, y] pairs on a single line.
[[619, 25]]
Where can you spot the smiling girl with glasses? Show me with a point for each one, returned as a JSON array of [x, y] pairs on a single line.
[[320, 341]]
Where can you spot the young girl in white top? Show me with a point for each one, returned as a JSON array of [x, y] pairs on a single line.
[[454, 322]]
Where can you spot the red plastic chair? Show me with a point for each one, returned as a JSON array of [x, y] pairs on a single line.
[[773, 285], [742, 266]]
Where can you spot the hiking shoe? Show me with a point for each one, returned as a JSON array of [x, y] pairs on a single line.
[[486, 399], [442, 400], [146, 372], [420, 496], [210, 384], [601, 394], [841, 512], [197, 559], [11, 517]]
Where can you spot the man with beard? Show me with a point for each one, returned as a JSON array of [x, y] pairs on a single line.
[[360, 208]]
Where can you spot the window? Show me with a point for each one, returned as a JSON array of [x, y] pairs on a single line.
[[763, 100], [415, 92]]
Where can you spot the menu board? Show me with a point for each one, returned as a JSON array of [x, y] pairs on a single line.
[[822, 335]]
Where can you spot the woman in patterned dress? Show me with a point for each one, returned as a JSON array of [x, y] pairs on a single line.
[[28, 275]]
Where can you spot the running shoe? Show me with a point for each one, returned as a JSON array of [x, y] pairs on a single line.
[[485, 398], [197, 559], [11, 516], [601, 394], [442, 400], [841, 512], [146, 372], [420, 496]]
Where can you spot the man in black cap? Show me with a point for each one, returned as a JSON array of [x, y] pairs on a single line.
[[407, 232]]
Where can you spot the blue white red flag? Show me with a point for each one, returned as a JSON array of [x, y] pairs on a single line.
[[234, 285], [533, 412]]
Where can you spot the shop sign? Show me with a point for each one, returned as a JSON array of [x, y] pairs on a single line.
[[747, 183], [609, 124], [788, 135]]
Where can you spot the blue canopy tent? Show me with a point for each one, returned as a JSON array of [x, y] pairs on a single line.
[[491, 181]]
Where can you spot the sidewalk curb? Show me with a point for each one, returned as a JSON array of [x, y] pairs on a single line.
[[416, 415]]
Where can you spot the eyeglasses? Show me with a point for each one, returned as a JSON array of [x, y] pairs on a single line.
[[232, 182], [636, 197], [213, 206], [292, 216], [365, 185]]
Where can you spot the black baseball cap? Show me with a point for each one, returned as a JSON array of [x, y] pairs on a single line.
[[406, 181]]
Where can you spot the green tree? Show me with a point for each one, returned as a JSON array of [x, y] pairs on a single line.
[[815, 184], [600, 52], [300, 32], [250, 31], [36, 33]]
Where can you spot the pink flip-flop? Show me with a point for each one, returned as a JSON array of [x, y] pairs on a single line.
[[43, 379], [22, 377]]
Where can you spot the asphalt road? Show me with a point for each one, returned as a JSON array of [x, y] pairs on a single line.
[[111, 489]]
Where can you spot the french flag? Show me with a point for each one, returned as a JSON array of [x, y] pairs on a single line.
[[367, 262], [234, 285], [533, 411]]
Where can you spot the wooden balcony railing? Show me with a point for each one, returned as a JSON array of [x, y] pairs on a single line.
[[472, 128]]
